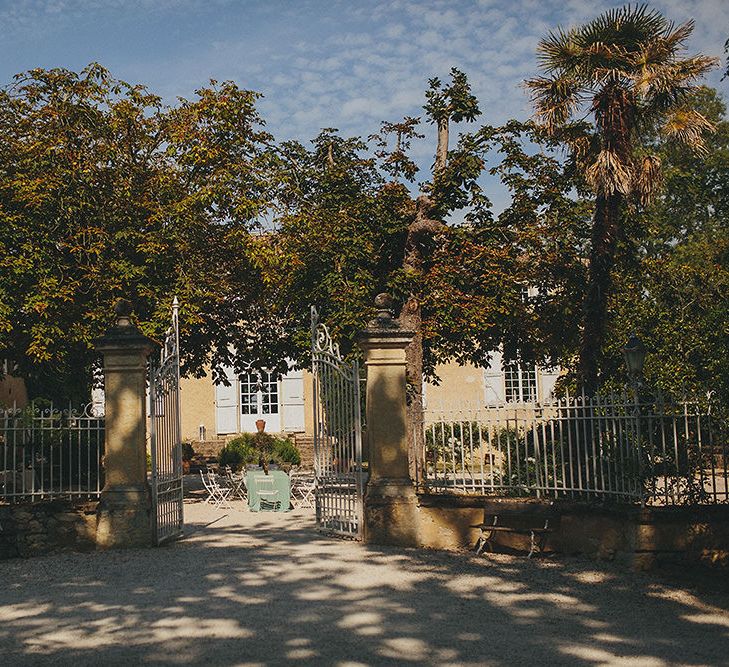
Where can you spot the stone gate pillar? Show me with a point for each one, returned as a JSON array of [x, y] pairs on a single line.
[[124, 511], [390, 503]]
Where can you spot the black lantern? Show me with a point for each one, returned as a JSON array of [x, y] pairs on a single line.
[[634, 353]]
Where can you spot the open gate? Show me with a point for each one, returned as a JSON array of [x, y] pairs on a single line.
[[165, 435], [337, 436]]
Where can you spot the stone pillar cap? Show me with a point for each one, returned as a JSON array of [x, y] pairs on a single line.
[[124, 334], [384, 330]]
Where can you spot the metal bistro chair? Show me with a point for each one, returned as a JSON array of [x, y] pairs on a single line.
[[217, 495], [302, 489], [268, 498], [237, 484]]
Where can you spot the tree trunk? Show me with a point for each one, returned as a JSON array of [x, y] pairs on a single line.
[[411, 318], [602, 257], [420, 230], [441, 153]]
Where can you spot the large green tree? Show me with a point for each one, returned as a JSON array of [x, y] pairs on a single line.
[[627, 68], [348, 227], [671, 287], [107, 193]]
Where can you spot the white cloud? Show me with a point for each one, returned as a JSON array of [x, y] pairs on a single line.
[[333, 62]]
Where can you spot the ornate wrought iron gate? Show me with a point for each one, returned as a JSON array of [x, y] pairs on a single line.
[[337, 436], [165, 436]]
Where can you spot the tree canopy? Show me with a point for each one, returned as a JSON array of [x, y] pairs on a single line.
[[673, 291], [626, 68], [107, 193]]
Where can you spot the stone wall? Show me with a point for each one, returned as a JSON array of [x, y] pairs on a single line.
[[12, 391], [33, 529], [305, 445], [210, 449], [641, 536]]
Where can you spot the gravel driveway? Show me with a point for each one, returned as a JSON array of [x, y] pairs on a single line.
[[244, 588]]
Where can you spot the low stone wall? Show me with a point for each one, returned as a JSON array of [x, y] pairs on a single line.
[[208, 448], [642, 536], [33, 529], [305, 445]]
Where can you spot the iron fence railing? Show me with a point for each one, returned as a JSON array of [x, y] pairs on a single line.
[[48, 453], [613, 447]]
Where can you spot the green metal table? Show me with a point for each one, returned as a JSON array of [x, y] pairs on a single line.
[[268, 493]]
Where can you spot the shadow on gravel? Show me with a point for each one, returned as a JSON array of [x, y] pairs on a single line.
[[234, 595]]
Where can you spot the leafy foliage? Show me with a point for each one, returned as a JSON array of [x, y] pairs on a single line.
[[674, 290], [341, 238], [188, 451], [259, 448], [628, 70], [105, 193], [238, 452]]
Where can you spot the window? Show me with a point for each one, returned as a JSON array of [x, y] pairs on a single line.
[[269, 394], [520, 383], [258, 394], [249, 394]]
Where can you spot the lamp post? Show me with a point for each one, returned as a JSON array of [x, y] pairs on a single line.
[[634, 352]]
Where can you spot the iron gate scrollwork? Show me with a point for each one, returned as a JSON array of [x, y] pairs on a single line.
[[337, 436], [165, 435]]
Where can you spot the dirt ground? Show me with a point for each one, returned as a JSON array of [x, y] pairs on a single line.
[[265, 589]]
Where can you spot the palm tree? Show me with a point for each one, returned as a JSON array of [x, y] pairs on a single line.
[[627, 69]]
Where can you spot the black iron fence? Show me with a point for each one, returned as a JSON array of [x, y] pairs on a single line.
[[607, 447], [47, 453]]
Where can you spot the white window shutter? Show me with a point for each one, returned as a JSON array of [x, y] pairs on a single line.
[[493, 381], [292, 401], [226, 404], [547, 379]]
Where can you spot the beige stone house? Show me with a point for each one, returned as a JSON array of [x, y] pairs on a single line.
[[12, 389], [215, 412], [211, 412]]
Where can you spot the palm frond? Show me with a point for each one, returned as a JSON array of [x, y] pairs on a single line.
[[555, 99], [688, 126], [626, 26], [676, 39], [608, 174], [649, 178], [630, 63], [693, 68], [558, 52]]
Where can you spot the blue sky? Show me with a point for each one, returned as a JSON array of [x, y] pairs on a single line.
[[333, 63]]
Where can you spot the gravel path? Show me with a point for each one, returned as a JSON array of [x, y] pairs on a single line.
[[245, 588]]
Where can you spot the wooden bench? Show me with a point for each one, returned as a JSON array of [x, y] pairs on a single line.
[[537, 521]]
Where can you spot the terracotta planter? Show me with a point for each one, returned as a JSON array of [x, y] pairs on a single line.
[[260, 425]]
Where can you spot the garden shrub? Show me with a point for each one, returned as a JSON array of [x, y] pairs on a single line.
[[286, 453], [239, 452], [260, 448]]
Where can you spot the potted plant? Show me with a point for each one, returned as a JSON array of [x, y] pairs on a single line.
[[187, 455]]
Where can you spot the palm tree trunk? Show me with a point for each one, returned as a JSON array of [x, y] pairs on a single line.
[[602, 257]]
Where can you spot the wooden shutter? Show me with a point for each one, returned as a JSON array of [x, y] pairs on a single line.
[[493, 381]]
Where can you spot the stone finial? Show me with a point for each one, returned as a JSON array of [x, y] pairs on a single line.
[[123, 312], [384, 304], [124, 332]]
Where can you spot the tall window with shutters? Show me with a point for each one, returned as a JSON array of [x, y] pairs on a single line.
[[520, 383]]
